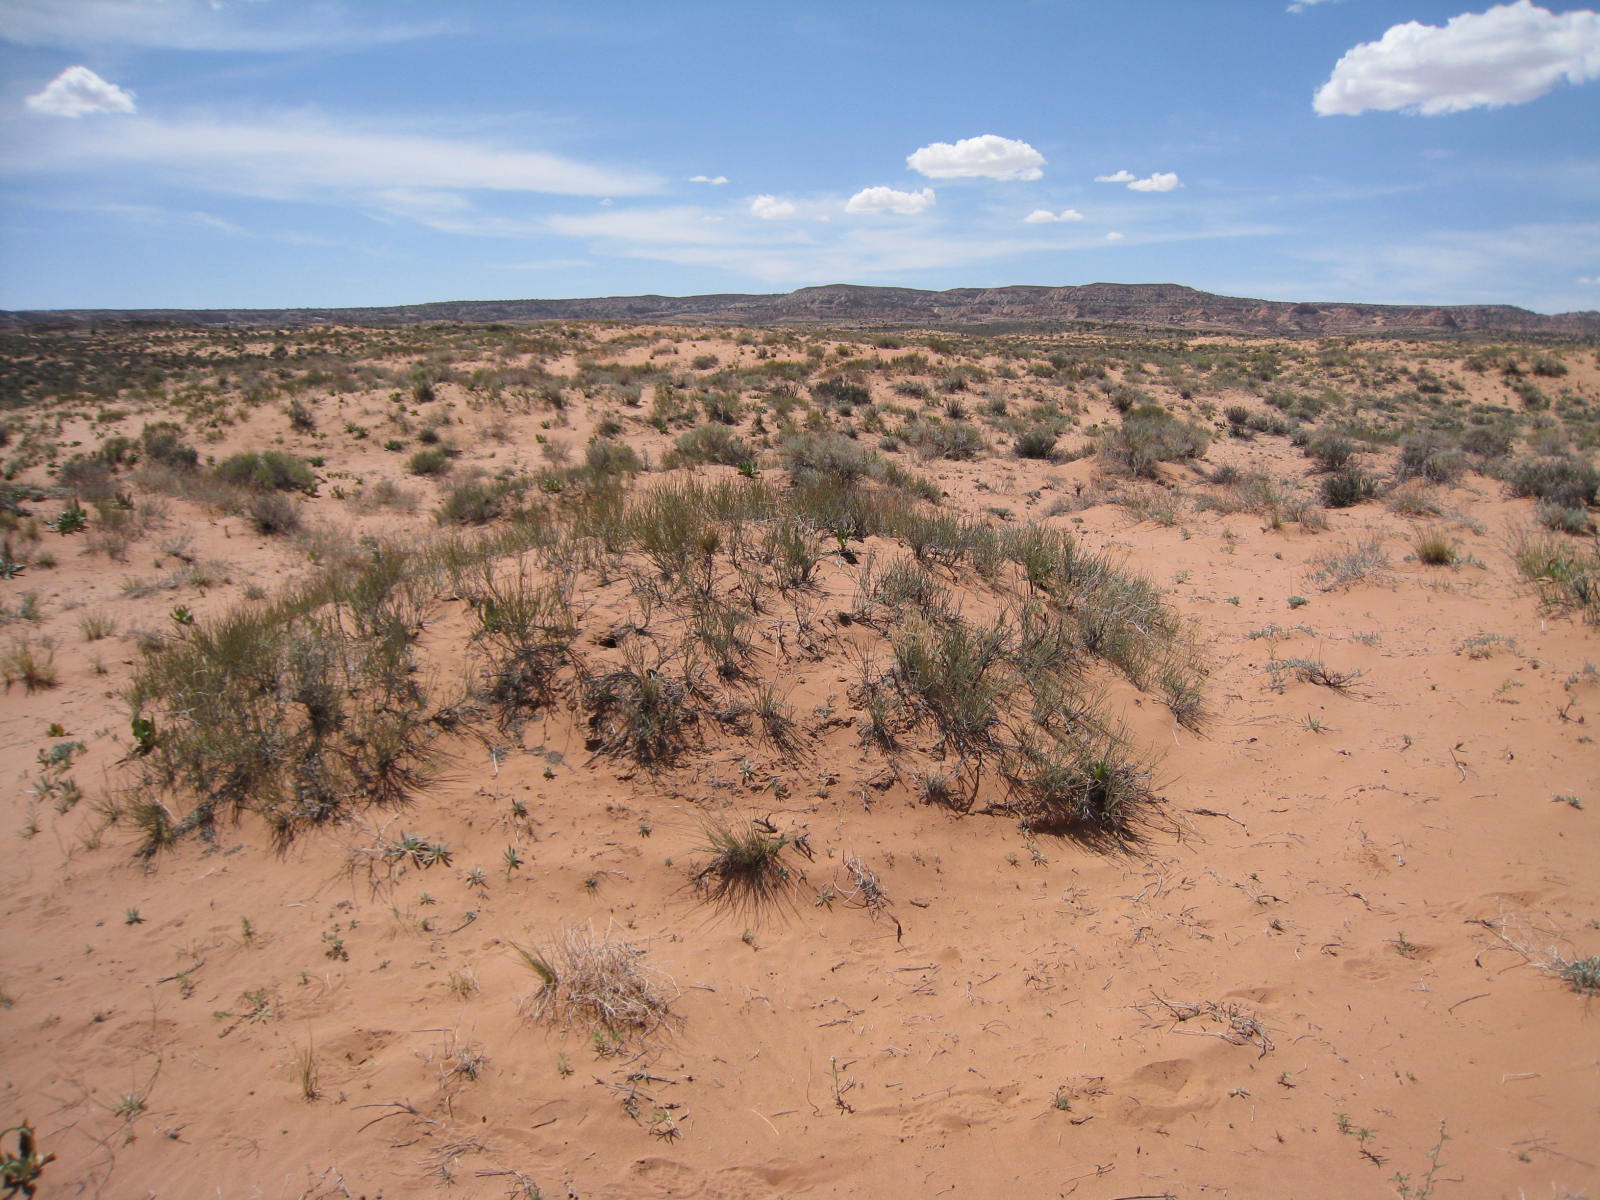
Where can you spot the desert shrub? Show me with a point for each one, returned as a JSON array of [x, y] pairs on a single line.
[[117, 451], [429, 461], [1488, 442], [952, 670], [1347, 487], [840, 394], [943, 439], [711, 444], [1562, 519], [1331, 451], [299, 712], [828, 456], [1560, 479], [1126, 399], [273, 513], [1038, 441], [1237, 415], [1429, 455], [474, 502], [604, 457], [1150, 435], [525, 633], [302, 417], [163, 443], [268, 470], [88, 478]]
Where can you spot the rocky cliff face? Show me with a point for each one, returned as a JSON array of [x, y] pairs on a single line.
[[1151, 304]]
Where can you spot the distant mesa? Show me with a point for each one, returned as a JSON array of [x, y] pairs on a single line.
[[1164, 305]]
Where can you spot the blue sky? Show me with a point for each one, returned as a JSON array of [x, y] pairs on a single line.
[[273, 153]]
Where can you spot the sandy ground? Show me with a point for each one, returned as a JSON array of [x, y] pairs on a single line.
[[1324, 978]]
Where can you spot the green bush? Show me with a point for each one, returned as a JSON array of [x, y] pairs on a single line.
[[1347, 488], [1151, 435], [479, 501], [1332, 451], [1039, 441], [273, 513], [943, 439], [1560, 479], [163, 443], [1429, 455], [710, 444], [268, 470], [828, 456], [606, 457], [840, 394], [429, 461]]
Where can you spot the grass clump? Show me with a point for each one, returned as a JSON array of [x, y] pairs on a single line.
[[1352, 563], [1434, 548], [30, 662], [599, 983], [746, 868], [1347, 487], [1565, 572], [1088, 785], [525, 633], [637, 712]]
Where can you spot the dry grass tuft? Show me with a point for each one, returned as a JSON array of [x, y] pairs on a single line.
[[597, 982]]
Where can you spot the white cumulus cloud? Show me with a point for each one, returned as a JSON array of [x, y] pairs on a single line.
[[888, 200], [1300, 6], [988, 156], [1161, 181], [1511, 54], [713, 180], [1043, 216], [1114, 237], [770, 208], [77, 92]]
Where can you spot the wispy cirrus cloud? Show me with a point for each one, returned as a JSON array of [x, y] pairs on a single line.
[[208, 25], [308, 158], [1469, 266]]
